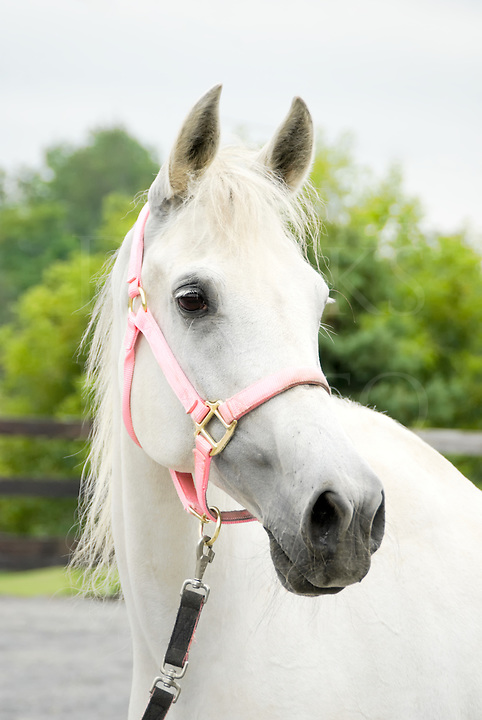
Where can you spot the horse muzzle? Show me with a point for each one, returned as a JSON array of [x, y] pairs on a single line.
[[333, 546]]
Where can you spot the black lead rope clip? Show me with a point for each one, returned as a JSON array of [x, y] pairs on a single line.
[[165, 689]]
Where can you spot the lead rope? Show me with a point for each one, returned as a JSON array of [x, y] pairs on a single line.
[[165, 689]]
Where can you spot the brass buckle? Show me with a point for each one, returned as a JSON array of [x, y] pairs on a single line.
[[216, 447], [143, 297]]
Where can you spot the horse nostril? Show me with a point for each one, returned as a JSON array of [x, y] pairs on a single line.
[[330, 515], [378, 526]]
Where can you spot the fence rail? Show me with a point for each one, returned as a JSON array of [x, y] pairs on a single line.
[[25, 552], [453, 442], [45, 427], [40, 487]]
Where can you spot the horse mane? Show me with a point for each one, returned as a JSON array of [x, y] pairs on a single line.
[[234, 194], [237, 193], [94, 552]]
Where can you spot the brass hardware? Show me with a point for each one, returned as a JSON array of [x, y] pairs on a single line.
[[209, 541], [143, 296], [216, 447], [203, 519]]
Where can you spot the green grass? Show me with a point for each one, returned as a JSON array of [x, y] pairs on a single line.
[[32, 583], [49, 582]]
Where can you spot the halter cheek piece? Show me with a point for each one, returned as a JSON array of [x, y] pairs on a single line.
[[192, 490]]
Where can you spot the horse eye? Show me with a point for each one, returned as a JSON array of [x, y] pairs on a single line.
[[192, 302]]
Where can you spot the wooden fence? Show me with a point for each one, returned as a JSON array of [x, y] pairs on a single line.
[[25, 552], [22, 553]]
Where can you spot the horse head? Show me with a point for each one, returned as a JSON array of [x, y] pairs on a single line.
[[228, 284]]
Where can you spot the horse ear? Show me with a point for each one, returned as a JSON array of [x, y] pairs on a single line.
[[193, 151], [290, 153]]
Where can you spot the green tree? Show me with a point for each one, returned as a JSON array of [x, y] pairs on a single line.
[[31, 238], [402, 328], [39, 348], [119, 213], [42, 373], [46, 215], [111, 162], [431, 353]]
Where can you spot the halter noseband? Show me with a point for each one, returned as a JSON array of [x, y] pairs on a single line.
[[192, 490]]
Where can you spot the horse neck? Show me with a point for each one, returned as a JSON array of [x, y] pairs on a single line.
[[155, 539]]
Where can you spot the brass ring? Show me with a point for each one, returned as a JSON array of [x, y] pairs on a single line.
[[214, 511], [143, 296], [203, 519]]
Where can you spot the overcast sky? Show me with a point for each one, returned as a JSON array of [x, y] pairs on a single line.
[[404, 76]]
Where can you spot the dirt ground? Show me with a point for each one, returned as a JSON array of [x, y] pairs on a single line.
[[63, 658]]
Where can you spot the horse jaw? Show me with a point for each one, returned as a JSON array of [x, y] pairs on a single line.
[[321, 505]]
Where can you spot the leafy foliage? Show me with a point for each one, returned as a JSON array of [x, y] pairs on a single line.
[[31, 238], [46, 216], [111, 162], [38, 352], [403, 330]]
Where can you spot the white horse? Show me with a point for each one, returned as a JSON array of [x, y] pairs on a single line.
[[289, 630]]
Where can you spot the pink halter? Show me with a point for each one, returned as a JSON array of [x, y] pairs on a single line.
[[192, 490]]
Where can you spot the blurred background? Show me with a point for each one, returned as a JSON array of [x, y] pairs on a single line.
[[93, 93]]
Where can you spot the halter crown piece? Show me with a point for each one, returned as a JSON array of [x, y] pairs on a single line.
[[192, 489]]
